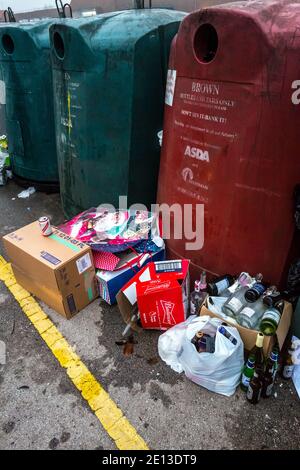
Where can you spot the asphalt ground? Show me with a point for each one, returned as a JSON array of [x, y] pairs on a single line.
[[42, 409]]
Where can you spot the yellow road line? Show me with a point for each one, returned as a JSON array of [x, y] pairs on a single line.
[[108, 413]]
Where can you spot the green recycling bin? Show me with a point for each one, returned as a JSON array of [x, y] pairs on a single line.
[[109, 76], [26, 67]]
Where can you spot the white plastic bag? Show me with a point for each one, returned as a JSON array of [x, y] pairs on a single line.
[[220, 371]]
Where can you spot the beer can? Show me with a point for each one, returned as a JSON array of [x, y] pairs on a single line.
[[45, 226]]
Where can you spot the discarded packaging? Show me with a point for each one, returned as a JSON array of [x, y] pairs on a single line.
[[110, 282], [26, 193], [113, 231], [45, 226], [161, 291], [57, 269], [219, 371]]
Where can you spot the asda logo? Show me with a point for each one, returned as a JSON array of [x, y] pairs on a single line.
[[197, 153]]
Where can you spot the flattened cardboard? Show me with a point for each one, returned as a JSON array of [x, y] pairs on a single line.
[[249, 336], [110, 282], [57, 269]]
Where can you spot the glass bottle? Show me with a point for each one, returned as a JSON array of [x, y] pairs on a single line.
[[272, 296], [269, 375], [220, 284], [236, 300], [256, 354], [243, 280], [247, 374], [271, 319], [255, 386], [251, 314], [199, 294], [288, 365], [255, 291]]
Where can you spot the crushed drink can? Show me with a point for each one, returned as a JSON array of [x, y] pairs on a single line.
[[45, 226]]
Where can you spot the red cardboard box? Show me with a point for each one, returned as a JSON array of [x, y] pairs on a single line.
[[161, 290]]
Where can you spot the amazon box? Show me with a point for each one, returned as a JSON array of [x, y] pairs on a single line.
[[57, 269]]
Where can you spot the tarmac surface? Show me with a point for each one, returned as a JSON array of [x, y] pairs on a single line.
[[41, 408]]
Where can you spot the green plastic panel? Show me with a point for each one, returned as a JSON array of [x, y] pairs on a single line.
[[109, 78]]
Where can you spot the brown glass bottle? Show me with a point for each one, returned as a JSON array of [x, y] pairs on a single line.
[[287, 367], [269, 375], [255, 387]]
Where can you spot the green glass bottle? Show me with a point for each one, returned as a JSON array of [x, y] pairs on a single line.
[[247, 374], [271, 319], [256, 354]]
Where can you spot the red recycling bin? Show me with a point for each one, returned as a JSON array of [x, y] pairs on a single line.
[[232, 135]]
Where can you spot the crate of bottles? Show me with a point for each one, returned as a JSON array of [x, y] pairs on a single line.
[[249, 336]]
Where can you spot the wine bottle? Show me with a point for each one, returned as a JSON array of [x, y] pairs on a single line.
[[255, 291], [272, 296], [251, 314], [271, 319], [220, 284], [198, 295], [256, 354], [288, 365], [236, 301], [269, 375], [255, 386], [247, 374]]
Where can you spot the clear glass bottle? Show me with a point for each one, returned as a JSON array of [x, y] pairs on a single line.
[[237, 300], [251, 314], [199, 294]]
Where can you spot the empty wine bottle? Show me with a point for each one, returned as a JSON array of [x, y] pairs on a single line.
[[244, 280], [288, 365], [236, 301], [255, 291], [272, 296], [220, 284], [247, 374], [269, 375], [251, 314], [198, 295], [256, 354], [271, 319], [255, 386]]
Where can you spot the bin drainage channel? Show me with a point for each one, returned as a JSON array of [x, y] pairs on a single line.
[[110, 416]]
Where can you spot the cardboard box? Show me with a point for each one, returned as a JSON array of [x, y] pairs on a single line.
[[110, 282], [249, 336], [57, 269], [161, 291]]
